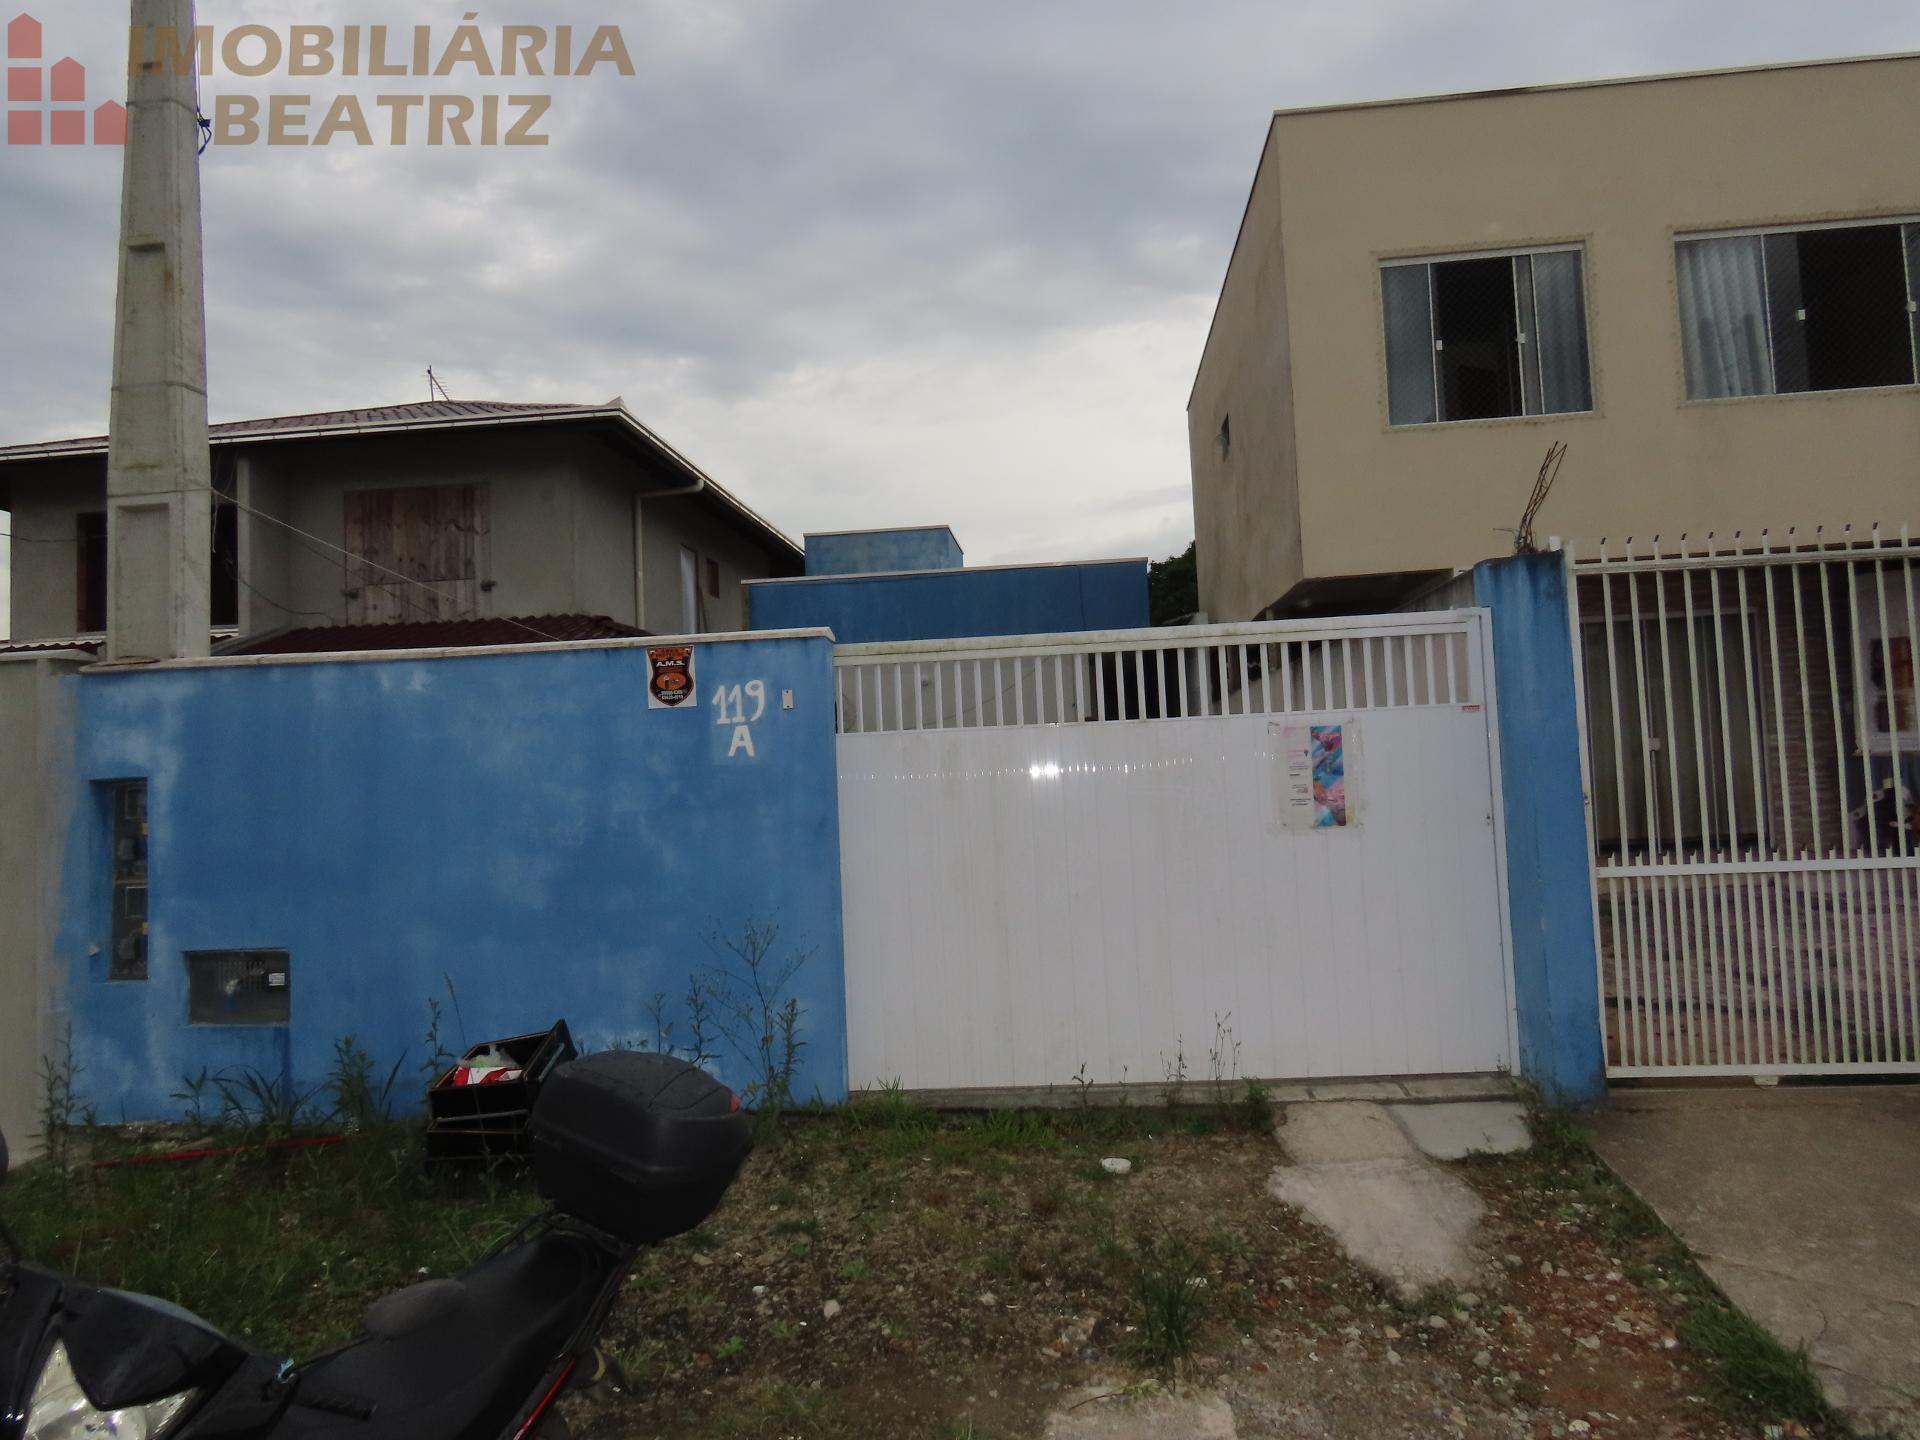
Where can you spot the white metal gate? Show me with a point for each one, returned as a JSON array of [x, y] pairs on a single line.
[[1086, 856], [1753, 753]]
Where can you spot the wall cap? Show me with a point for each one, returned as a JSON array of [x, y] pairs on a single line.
[[454, 652]]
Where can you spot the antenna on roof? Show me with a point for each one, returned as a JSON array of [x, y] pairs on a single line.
[[435, 390]]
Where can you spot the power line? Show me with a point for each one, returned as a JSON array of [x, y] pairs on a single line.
[[233, 569], [376, 565], [350, 555]]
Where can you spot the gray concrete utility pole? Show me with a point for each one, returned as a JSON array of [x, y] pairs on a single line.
[[159, 475]]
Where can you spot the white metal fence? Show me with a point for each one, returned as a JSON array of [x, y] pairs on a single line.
[[1080, 856], [1192, 672], [1754, 752]]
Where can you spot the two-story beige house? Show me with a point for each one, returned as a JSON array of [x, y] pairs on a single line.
[[490, 522], [1703, 284]]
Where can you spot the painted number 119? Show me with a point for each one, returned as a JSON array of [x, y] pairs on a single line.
[[730, 702]]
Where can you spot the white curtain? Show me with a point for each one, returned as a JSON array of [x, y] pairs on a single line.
[[1560, 308], [1723, 317]]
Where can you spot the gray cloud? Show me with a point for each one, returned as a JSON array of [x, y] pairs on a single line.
[[865, 261]]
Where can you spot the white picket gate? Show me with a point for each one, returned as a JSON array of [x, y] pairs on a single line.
[[1084, 856], [1753, 748]]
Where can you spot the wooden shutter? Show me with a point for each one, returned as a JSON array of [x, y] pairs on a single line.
[[439, 538]]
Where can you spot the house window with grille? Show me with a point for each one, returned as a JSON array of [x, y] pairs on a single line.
[[128, 956], [1785, 311], [238, 987], [1483, 337]]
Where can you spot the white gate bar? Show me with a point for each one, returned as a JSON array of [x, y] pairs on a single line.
[[1753, 865]]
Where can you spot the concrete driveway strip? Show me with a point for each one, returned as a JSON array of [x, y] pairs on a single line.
[[1804, 1206], [1358, 1172]]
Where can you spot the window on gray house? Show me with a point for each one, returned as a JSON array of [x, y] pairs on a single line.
[[1481, 337], [689, 591], [1779, 312], [419, 552], [128, 928], [90, 577], [90, 572]]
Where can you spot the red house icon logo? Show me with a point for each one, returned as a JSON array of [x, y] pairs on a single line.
[[47, 105]]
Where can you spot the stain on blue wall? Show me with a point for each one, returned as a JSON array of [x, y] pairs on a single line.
[[953, 604], [1556, 989], [522, 824], [865, 552]]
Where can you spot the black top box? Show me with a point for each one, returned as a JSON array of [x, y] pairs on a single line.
[[638, 1145]]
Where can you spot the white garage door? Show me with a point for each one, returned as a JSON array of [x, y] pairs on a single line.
[[1086, 856]]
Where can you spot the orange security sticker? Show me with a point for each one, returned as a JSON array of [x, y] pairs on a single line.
[[669, 677]]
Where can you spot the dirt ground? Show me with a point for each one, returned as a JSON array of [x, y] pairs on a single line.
[[896, 1275]]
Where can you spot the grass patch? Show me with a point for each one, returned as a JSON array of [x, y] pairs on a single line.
[[1753, 1373], [284, 1247], [1171, 1289]]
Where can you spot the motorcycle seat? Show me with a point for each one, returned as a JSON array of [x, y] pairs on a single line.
[[416, 1308], [451, 1359]]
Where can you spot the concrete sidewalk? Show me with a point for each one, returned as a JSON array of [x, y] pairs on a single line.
[[1804, 1206]]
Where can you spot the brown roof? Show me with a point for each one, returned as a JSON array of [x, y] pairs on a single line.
[[370, 418], [436, 635], [443, 415]]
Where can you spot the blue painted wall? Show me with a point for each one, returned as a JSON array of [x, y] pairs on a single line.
[[866, 552], [1556, 989], [993, 600], [522, 823]]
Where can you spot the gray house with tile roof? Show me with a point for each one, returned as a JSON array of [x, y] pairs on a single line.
[[416, 515]]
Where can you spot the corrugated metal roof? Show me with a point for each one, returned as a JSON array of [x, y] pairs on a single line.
[[35, 647], [370, 418], [437, 634]]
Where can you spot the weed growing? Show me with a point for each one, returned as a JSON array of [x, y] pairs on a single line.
[[1753, 1373], [1171, 1289]]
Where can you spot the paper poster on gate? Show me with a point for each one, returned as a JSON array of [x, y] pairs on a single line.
[[670, 678], [1318, 770]]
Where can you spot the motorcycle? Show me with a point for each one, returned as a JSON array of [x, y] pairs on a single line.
[[629, 1149]]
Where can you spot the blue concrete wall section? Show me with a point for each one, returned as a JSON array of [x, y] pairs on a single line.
[[1556, 990], [522, 823], [867, 552], [953, 604]]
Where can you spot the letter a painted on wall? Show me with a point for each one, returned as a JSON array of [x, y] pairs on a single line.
[[670, 677]]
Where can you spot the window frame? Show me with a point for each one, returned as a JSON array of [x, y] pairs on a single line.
[[127, 875], [274, 965], [1429, 259], [1802, 227]]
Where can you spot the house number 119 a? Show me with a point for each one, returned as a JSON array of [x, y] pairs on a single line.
[[730, 704]]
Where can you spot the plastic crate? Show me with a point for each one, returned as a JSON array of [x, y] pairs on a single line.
[[488, 1121]]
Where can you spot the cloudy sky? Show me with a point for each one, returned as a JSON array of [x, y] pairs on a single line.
[[866, 261]]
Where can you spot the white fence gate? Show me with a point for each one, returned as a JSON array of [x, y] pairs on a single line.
[[1270, 848], [1753, 745]]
